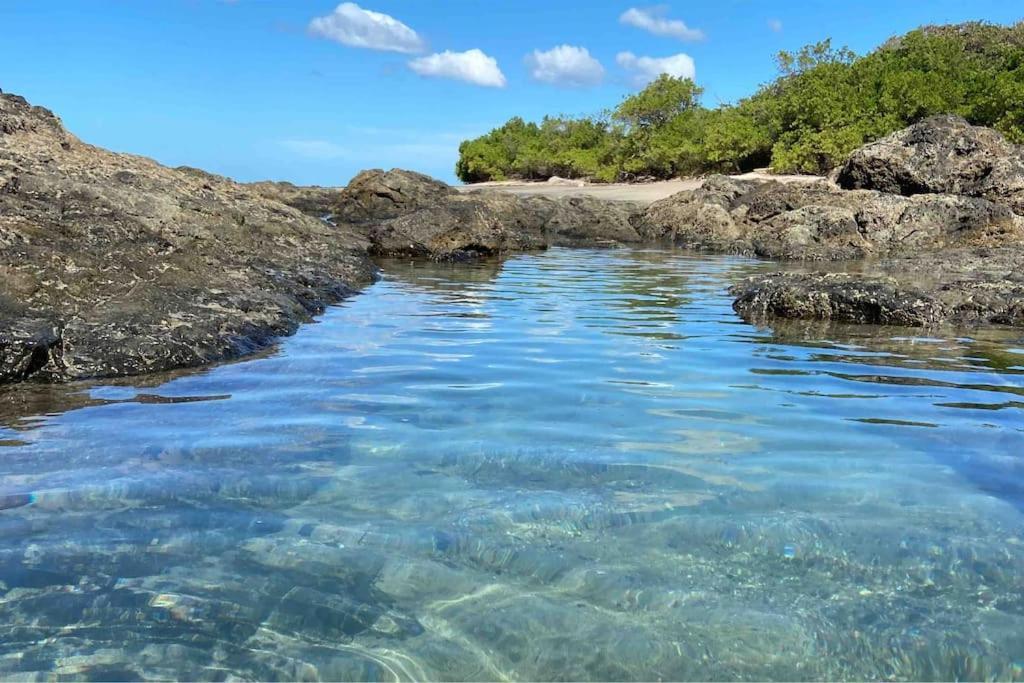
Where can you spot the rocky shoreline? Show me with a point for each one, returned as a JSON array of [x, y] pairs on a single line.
[[112, 264]]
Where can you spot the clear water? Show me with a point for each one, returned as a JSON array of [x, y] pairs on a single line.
[[572, 465]]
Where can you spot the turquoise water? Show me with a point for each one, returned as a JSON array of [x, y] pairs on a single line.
[[571, 465]]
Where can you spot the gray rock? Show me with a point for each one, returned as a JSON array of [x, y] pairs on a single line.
[[409, 214], [940, 155], [820, 222], [960, 287], [112, 264]]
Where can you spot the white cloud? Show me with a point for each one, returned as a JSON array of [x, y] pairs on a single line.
[[472, 66], [322, 150], [775, 25], [653, 20], [354, 26], [565, 65], [646, 69]]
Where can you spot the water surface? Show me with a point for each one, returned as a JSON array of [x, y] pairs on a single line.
[[571, 465]]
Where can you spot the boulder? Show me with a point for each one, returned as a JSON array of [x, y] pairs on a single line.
[[940, 155], [377, 195]]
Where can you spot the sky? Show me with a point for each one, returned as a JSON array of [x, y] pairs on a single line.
[[313, 91]]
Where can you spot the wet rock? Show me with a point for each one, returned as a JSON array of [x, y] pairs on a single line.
[[112, 264], [940, 155], [963, 287]]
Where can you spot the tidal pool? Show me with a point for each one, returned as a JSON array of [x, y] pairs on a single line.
[[570, 465]]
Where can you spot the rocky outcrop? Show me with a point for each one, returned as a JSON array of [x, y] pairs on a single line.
[[409, 214], [112, 264], [946, 200], [962, 287], [940, 155], [313, 200], [818, 221]]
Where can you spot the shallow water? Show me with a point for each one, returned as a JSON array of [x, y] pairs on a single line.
[[577, 464]]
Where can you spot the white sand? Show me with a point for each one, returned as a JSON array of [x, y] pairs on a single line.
[[636, 192]]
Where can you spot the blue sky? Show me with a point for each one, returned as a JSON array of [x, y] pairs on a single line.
[[312, 92]]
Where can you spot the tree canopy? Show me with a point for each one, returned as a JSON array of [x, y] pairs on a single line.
[[825, 102]]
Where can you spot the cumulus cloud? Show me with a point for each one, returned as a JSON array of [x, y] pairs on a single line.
[[653, 20], [643, 70], [565, 65], [472, 66], [350, 24]]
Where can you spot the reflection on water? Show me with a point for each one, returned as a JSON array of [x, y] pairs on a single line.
[[579, 464]]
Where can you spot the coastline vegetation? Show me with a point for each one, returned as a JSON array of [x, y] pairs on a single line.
[[825, 102]]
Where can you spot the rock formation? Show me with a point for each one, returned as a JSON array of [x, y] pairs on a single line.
[[817, 221], [112, 264], [940, 155], [953, 253]]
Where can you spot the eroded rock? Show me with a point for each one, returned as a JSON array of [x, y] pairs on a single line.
[[817, 221], [940, 155], [963, 287], [112, 264]]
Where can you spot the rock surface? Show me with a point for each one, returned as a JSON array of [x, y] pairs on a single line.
[[112, 264], [821, 222], [409, 214], [940, 155], [961, 287]]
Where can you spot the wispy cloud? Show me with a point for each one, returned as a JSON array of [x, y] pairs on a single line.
[[775, 25], [350, 24], [643, 70], [472, 66], [653, 20], [565, 65]]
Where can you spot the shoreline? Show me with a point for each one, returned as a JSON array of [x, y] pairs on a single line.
[[643, 193], [114, 265]]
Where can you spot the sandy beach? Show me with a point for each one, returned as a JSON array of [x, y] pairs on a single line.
[[635, 192]]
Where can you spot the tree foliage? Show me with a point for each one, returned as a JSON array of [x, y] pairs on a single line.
[[825, 102]]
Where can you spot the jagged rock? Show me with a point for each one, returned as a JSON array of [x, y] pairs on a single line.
[[940, 155], [410, 214], [817, 221], [376, 195], [112, 264], [963, 287]]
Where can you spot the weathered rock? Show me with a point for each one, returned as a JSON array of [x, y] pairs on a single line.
[[940, 155], [817, 221], [112, 264], [312, 200], [409, 214], [963, 287], [376, 195]]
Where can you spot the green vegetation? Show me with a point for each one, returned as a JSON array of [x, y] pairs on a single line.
[[825, 103]]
